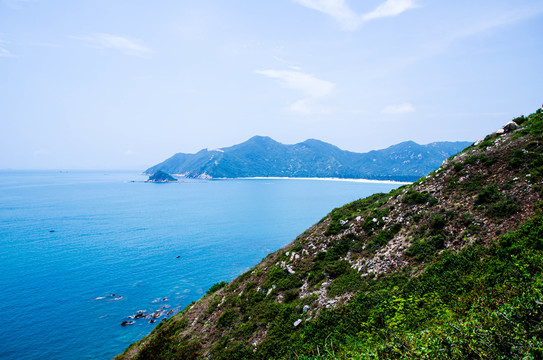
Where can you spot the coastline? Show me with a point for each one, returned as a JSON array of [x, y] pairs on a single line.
[[318, 178], [371, 181]]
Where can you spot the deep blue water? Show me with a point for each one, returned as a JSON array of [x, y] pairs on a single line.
[[67, 238]]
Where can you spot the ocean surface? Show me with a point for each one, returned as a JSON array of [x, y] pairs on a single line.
[[82, 251]]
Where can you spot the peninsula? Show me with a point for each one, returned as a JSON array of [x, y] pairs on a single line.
[[262, 156]]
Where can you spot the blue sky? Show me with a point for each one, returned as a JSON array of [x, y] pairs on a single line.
[[123, 84]]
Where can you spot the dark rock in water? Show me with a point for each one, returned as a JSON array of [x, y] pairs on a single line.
[[161, 177], [178, 256], [165, 299], [156, 315], [169, 313], [124, 323], [152, 321], [139, 315]]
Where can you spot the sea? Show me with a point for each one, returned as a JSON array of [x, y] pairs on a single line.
[[83, 251]]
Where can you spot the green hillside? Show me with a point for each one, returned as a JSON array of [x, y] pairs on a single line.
[[449, 267]]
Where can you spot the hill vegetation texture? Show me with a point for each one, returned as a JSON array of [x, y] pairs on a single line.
[[264, 157], [449, 267]]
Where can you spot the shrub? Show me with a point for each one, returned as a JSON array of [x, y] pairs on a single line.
[[383, 237], [276, 274], [474, 183], [227, 318], [458, 167], [426, 248], [452, 183], [347, 282], [337, 268], [488, 142], [482, 159], [417, 198], [334, 228], [504, 208], [370, 225], [282, 279], [517, 159], [216, 287], [315, 276], [341, 248], [520, 120], [437, 223], [536, 121], [290, 295], [488, 195]]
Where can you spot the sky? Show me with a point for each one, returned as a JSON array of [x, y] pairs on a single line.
[[125, 84]]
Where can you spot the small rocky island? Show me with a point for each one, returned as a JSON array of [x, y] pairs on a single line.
[[161, 177]]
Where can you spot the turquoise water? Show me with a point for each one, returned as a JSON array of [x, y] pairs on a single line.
[[70, 240]]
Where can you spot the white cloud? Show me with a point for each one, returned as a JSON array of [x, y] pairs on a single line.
[[128, 152], [310, 86], [307, 84], [291, 65], [398, 109], [3, 51], [349, 19], [337, 9], [390, 8], [122, 44]]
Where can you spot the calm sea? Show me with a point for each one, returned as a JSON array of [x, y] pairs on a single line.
[[80, 252]]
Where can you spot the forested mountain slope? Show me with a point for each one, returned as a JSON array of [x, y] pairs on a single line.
[[261, 156]]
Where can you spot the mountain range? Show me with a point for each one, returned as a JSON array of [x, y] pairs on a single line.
[[261, 156]]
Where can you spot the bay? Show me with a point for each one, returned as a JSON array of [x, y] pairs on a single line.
[[81, 251]]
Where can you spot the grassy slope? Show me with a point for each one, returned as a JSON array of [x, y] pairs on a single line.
[[431, 270]]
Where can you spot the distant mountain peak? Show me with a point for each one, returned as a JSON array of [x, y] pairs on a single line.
[[260, 138], [262, 156], [316, 142]]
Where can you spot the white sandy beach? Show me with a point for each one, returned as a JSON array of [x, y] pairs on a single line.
[[326, 179], [181, 176]]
